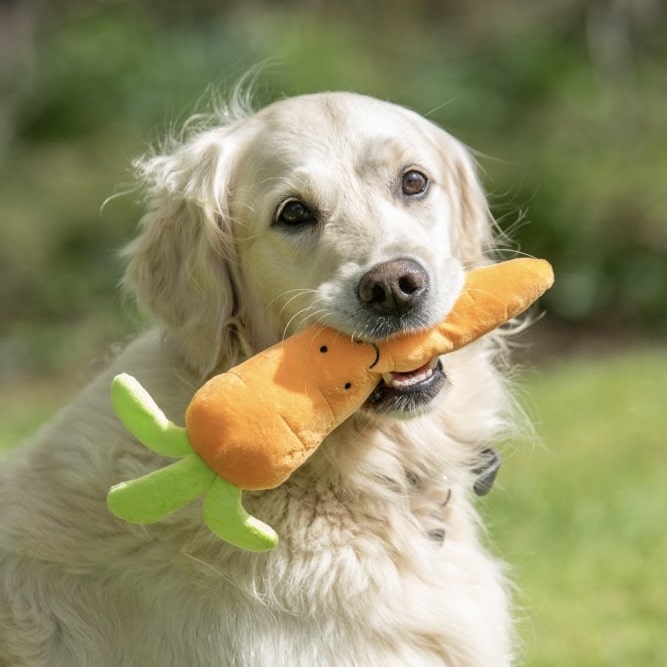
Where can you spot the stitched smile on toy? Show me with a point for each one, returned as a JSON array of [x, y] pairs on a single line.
[[409, 392]]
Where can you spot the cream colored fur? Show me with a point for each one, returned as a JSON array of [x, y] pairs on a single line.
[[358, 579]]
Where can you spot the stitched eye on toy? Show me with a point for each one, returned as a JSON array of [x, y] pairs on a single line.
[[413, 183], [294, 213]]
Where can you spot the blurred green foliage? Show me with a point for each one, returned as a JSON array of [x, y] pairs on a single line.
[[564, 101]]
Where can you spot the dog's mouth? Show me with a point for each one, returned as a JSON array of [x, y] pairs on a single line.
[[408, 393]]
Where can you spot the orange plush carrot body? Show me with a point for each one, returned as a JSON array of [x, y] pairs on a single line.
[[253, 426], [257, 423]]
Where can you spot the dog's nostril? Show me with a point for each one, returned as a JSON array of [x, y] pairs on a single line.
[[377, 294], [410, 283], [393, 288]]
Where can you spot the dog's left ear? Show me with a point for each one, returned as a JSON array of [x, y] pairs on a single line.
[[473, 229], [182, 266]]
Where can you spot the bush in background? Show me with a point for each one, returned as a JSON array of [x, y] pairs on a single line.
[[564, 103]]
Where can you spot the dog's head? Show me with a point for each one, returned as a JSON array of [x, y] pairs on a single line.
[[332, 208]]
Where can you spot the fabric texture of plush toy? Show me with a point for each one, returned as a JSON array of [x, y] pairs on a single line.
[[254, 425]]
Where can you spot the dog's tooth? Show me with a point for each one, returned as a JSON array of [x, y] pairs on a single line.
[[399, 380], [410, 380]]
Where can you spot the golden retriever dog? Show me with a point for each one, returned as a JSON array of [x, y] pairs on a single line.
[[333, 208]]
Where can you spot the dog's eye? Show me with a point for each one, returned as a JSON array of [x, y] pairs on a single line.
[[413, 183], [293, 212]]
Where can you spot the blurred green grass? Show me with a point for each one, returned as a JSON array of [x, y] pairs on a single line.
[[580, 517]]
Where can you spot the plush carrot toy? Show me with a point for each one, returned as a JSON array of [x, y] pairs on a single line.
[[254, 425]]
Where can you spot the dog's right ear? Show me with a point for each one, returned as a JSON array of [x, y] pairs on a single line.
[[182, 267]]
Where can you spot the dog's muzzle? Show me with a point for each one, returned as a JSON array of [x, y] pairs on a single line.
[[394, 293]]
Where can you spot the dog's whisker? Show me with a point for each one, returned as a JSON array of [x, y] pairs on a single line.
[[284, 294], [316, 317], [294, 317], [322, 314], [299, 293]]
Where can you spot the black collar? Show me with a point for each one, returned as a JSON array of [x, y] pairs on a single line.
[[486, 471]]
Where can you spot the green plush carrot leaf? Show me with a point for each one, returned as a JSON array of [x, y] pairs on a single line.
[[141, 416], [161, 492], [154, 496], [225, 516]]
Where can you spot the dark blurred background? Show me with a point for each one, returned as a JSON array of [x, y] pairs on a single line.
[[565, 102]]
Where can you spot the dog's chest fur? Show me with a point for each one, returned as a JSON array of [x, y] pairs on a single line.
[[341, 589]]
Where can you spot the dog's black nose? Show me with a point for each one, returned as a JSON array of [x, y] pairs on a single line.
[[393, 288]]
